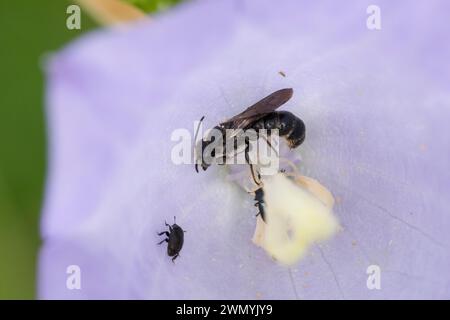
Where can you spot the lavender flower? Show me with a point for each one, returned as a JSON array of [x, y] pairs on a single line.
[[376, 108]]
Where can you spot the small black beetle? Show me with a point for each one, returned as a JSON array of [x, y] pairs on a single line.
[[259, 198], [175, 239]]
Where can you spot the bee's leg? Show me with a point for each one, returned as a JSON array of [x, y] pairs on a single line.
[[294, 168], [247, 159], [253, 175], [247, 150], [224, 151], [224, 160], [250, 191], [269, 143], [165, 240]]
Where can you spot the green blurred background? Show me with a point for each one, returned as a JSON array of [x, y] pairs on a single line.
[[28, 30]]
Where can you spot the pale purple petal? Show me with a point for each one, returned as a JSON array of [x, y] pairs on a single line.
[[376, 106]]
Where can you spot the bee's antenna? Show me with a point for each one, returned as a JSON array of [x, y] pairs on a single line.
[[198, 128], [195, 139]]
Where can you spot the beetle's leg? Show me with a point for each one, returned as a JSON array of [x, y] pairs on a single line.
[[176, 256], [261, 215], [166, 240], [164, 232]]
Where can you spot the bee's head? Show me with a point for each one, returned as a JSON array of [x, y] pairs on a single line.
[[297, 135]]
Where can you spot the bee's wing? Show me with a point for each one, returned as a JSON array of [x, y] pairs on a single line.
[[259, 109]]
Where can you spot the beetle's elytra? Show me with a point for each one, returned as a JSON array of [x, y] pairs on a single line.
[[174, 239]]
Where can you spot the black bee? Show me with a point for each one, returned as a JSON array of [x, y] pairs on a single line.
[[261, 115], [175, 239]]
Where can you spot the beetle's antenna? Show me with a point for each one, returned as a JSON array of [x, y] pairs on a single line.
[[195, 139]]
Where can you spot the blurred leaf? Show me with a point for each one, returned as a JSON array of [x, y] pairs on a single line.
[[38, 28], [110, 12], [153, 5]]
